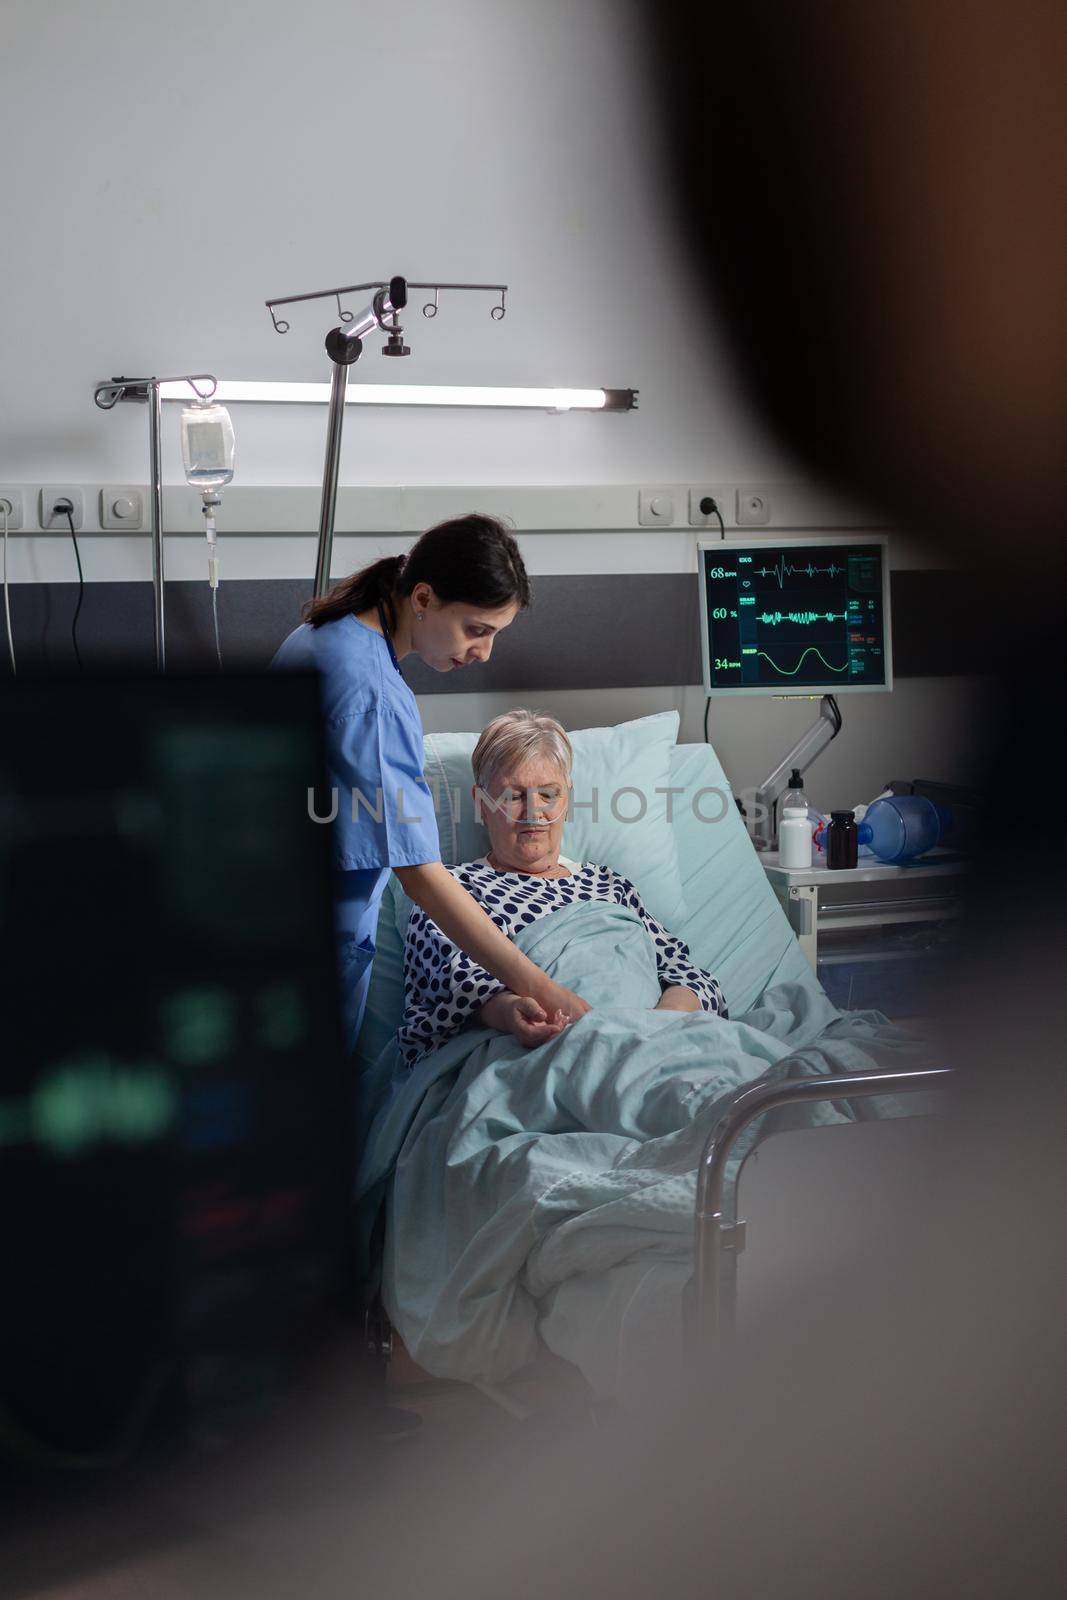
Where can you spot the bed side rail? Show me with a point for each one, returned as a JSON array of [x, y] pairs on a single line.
[[715, 1234]]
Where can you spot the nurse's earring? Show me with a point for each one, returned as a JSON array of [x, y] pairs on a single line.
[[418, 616]]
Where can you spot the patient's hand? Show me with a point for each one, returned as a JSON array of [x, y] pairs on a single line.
[[517, 1014], [555, 996], [677, 999]]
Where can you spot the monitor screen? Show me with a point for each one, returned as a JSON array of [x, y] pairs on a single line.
[[175, 1109], [803, 616]]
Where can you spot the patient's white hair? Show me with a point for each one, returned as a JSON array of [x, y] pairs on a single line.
[[508, 742]]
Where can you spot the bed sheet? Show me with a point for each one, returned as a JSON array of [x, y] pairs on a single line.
[[735, 927], [531, 1194]]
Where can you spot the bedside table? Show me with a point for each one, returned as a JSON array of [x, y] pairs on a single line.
[[820, 902]]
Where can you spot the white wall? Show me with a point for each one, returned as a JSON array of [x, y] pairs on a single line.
[[167, 167]]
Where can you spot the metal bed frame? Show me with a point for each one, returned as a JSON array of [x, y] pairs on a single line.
[[719, 1240]]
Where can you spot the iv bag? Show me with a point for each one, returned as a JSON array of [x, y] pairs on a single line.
[[207, 445]]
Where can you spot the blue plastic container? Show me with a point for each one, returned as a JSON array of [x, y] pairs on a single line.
[[898, 828], [902, 827]]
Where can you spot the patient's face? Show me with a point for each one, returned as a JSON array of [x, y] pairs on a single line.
[[524, 811]]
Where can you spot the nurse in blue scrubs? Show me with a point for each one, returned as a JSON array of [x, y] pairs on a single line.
[[460, 586]]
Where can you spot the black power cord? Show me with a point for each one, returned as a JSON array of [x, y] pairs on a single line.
[[709, 507], [65, 509]]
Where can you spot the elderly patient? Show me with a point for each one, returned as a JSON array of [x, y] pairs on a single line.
[[522, 774]]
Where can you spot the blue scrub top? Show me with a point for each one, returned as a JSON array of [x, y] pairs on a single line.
[[374, 761]]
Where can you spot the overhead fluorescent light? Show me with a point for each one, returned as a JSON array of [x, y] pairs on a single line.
[[416, 394]]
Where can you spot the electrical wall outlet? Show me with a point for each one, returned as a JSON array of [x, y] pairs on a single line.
[[11, 501], [753, 508], [701, 514], [122, 509], [49, 517]]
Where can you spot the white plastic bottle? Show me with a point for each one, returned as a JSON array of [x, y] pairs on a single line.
[[794, 838]]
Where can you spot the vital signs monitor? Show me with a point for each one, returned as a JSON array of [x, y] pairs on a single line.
[[795, 616], [176, 1111]]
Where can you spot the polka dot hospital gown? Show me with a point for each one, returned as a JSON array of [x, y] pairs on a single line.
[[444, 988]]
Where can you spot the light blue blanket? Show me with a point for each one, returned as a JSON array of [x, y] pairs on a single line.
[[550, 1192]]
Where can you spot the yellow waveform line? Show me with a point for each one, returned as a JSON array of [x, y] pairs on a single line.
[[786, 674]]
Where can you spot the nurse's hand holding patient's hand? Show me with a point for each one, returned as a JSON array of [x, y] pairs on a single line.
[[517, 1014], [554, 997], [464, 921]]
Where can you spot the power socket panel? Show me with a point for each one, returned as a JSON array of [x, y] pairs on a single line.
[[698, 517], [12, 500], [56, 521], [753, 508]]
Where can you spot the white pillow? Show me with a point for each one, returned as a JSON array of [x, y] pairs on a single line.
[[620, 769]]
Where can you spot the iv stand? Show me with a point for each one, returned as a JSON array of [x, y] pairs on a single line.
[[344, 346], [141, 390], [811, 744]]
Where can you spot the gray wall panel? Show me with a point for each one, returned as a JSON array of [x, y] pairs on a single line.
[[614, 630], [591, 633]]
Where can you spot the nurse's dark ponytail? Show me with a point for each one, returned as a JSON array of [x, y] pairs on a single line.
[[471, 559], [361, 592]]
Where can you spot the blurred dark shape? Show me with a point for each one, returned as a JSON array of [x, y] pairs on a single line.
[[872, 199], [175, 1112]]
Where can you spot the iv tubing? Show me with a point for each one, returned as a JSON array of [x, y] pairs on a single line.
[[215, 619], [210, 501]]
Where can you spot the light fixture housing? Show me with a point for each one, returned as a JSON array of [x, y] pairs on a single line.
[[415, 394]]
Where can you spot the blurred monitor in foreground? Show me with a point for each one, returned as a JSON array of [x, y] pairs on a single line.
[[175, 1117]]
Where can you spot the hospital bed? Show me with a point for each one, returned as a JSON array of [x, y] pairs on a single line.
[[720, 1230], [699, 873]]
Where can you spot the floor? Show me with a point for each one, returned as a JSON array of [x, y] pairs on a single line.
[[356, 1477]]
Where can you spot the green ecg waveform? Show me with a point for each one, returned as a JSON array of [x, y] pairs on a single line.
[[782, 570], [772, 618]]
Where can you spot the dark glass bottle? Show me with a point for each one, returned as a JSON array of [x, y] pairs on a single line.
[[842, 840]]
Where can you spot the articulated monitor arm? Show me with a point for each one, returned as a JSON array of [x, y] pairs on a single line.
[[808, 747]]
